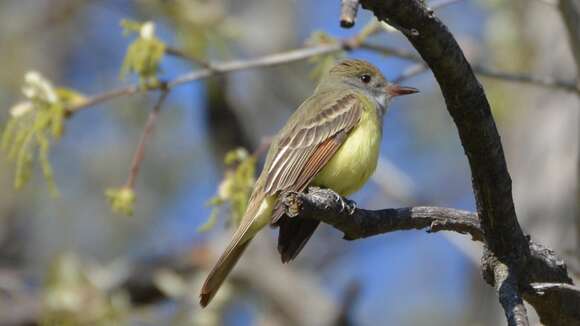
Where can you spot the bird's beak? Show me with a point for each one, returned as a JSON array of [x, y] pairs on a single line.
[[398, 90]]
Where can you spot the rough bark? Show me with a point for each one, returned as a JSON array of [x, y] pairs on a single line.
[[509, 263], [558, 307], [468, 105]]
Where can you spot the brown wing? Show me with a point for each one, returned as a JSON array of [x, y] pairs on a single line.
[[294, 233], [306, 148], [300, 157]]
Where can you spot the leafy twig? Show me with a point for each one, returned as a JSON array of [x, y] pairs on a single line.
[[123, 199], [178, 53], [218, 68], [140, 152], [213, 69]]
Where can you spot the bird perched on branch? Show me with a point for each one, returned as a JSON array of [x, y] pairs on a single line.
[[331, 141]]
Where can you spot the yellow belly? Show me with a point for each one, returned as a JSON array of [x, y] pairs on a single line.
[[356, 160]]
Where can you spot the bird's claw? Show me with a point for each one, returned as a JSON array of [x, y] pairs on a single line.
[[351, 206], [345, 204], [293, 204]]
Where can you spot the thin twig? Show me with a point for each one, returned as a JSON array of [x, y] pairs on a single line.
[[182, 55], [544, 81], [265, 61], [411, 72], [105, 96], [348, 10], [213, 69], [140, 152], [391, 51], [216, 69]]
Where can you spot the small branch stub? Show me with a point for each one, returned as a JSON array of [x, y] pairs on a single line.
[[292, 203], [348, 10]]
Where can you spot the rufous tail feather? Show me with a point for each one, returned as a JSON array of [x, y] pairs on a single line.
[[231, 255], [221, 270]]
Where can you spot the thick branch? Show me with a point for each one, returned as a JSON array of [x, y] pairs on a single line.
[[467, 104], [356, 223], [325, 205], [506, 243]]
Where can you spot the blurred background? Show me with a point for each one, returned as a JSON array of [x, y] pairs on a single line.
[[72, 261]]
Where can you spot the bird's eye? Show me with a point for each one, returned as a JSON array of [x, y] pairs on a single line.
[[366, 78]]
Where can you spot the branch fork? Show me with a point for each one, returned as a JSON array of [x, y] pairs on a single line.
[[327, 206]]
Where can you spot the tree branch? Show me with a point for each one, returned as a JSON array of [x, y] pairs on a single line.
[[214, 70], [497, 224], [348, 9], [328, 207], [140, 152], [182, 55], [346, 44], [508, 249], [514, 260], [506, 285], [467, 104], [543, 81]]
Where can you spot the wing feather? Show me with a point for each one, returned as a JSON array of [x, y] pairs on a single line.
[[301, 154], [294, 233]]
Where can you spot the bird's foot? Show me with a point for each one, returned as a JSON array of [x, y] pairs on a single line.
[[313, 189], [346, 204], [293, 204], [351, 206]]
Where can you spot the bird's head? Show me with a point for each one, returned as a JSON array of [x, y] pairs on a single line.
[[366, 77]]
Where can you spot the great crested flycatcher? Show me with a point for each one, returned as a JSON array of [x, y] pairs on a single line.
[[331, 141]]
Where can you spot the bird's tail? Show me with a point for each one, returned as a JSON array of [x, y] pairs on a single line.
[[257, 215], [220, 271]]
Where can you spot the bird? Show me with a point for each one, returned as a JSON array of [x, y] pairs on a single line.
[[331, 141]]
